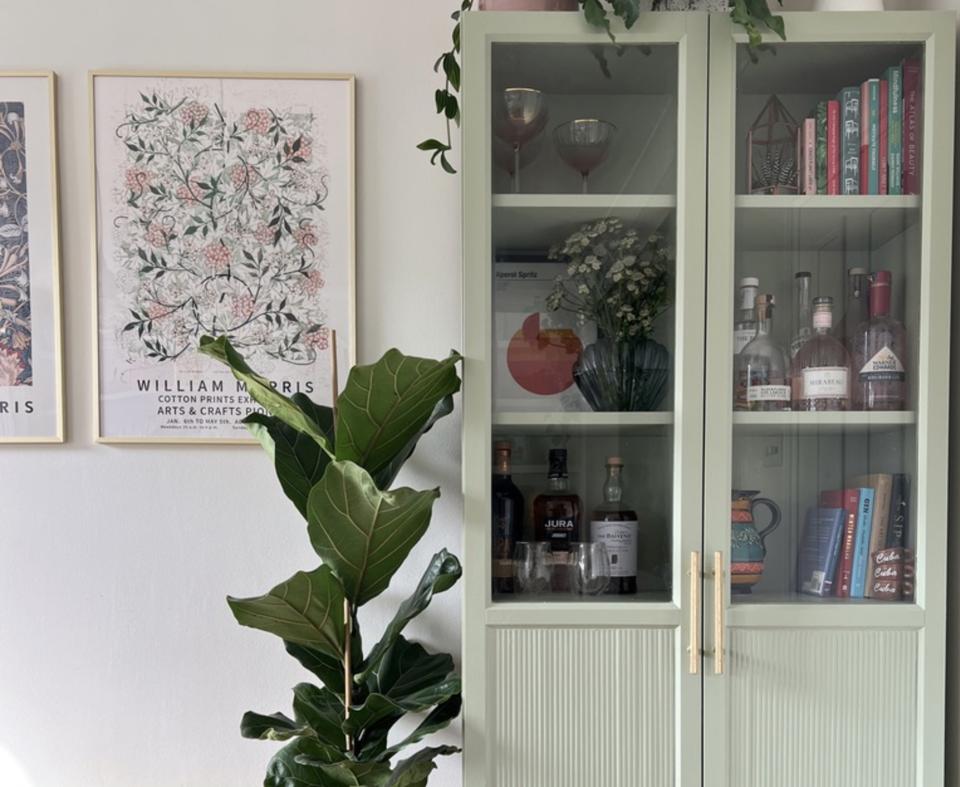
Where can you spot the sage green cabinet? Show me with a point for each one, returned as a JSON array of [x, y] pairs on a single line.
[[687, 682]]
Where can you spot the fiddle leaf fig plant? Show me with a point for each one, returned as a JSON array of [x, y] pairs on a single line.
[[337, 467]]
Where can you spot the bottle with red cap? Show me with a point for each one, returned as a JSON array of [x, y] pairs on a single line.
[[879, 350]]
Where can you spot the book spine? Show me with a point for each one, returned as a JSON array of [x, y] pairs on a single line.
[[833, 552], [833, 147], [822, 147], [873, 135], [881, 521], [911, 126], [865, 138], [899, 511], [809, 156], [845, 569], [895, 131], [884, 124], [850, 140], [862, 546]]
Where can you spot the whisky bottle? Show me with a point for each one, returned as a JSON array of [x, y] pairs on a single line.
[[507, 519], [615, 525], [556, 512]]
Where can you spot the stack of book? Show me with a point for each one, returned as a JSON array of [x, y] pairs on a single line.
[[866, 140], [854, 542]]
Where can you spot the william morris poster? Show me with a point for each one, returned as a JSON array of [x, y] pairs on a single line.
[[224, 207]]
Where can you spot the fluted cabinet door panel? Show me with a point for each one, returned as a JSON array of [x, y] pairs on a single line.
[[582, 706], [823, 708]]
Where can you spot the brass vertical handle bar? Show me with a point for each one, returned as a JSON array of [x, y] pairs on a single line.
[[694, 647], [718, 627]]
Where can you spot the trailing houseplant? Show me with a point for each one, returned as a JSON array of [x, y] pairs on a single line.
[[752, 15], [337, 465]]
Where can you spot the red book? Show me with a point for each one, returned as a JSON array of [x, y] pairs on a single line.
[[912, 115], [848, 500], [884, 133], [833, 147], [865, 138]]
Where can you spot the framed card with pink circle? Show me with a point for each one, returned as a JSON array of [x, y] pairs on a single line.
[[224, 206]]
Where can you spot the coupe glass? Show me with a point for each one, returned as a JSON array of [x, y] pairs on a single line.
[[532, 566], [518, 118], [589, 568], [584, 144]]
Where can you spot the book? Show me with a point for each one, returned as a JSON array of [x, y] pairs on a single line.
[[819, 550], [881, 484], [895, 131], [884, 125], [899, 511], [912, 115], [848, 500], [822, 147], [861, 548], [870, 137], [809, 156], [849, 99], [833, 147], [892, 577]]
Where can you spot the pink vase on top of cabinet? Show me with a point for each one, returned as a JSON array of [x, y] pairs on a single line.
[[528, 5]]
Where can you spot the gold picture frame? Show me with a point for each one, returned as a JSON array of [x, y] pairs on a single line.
[[347, 321], [41, 418]]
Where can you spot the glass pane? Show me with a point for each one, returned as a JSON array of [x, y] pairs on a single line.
[[584, 172], [826, 303]]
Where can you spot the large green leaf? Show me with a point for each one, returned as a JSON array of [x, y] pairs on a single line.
[[321, 710], [306, 609], [275, 727], [416, 770], [364, 534], [385, 476], [285, 771], [262, 391], [442, 573], [439, 718], [329, 668], [386, 406]]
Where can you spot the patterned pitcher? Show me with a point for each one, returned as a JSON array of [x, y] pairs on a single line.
[[747, 547]]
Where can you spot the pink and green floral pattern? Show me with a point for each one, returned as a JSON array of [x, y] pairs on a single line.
[[220, 229]]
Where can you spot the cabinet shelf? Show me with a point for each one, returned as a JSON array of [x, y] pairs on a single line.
[[814, 423], [582, 423], [647, 609], [537, 221]]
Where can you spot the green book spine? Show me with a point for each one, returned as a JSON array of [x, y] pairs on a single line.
[[822, 147], [873, 151], [849, 99], [894, 77]]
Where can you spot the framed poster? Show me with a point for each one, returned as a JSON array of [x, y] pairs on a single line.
[[224, 204], [31, 367]]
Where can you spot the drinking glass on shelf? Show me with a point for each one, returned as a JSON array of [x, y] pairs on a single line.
[[589, 568], [517, 119], [584, 144], [532, 566]]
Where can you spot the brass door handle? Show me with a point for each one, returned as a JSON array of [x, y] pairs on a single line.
[[718, 627], [694, 647]]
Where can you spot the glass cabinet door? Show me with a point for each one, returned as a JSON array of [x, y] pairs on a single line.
[[584, 198], [827, 329]]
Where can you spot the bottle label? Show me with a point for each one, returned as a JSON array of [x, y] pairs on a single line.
[[825, 382], [741, 338], [768, 393], [620, 539], [884, 366]]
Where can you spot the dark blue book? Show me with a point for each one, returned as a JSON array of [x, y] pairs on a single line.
[[820, 550]]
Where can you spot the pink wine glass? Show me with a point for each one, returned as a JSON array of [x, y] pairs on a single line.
[[518, 119], [584, 144]]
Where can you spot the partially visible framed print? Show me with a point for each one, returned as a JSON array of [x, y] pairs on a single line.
[[31, 368], [224, 206]]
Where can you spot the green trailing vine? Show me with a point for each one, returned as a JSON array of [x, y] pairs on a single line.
[[752, 15]]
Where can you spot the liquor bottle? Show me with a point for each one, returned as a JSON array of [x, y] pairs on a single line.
[[507, 519], [761, 378], [744, 325], [615, 525], [802, 315], [821, 371], [556, 512], [856, 308], [879, 353]]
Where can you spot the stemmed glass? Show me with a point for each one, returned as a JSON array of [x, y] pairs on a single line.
[[518, 118], [532, 567], [589, 568], [584, 143]]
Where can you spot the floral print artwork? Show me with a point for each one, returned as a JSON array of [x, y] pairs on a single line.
[[16, 362], [219, 229]]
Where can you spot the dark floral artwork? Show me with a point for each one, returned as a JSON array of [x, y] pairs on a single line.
[[220, 229], [16, 362]]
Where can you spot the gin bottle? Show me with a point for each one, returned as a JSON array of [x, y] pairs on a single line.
[[744, 325], [821, 370], [761, 377], [802, 314], [879, 347]]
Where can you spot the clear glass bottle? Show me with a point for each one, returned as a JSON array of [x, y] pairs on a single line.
[[761, 376], [856, 307], [744, 322], [820, 372], [879, 349], [802, 314], [507, 519], [616, 526]]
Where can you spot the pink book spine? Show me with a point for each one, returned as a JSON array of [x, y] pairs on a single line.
[[884, 133], [833, 147], [865, 138], [810, 156], [911, 126]]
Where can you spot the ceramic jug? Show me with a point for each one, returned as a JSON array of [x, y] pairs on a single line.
[[747, 547]]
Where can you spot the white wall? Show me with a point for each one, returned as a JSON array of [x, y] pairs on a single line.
[[120, 664]]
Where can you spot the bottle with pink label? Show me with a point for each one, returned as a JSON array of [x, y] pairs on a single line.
[[878, 347], [821, 369]]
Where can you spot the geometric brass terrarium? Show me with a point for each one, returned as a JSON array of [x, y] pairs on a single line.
[[772, 151]]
